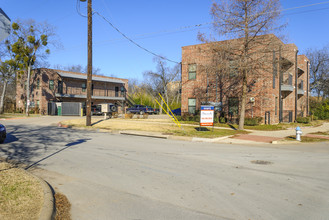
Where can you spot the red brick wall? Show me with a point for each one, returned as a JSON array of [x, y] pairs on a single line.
[[70, 86], [260, 82]]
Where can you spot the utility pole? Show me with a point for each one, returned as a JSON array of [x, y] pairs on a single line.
[[89, 69]]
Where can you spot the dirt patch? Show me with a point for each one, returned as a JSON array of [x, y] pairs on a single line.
[[63, 207], [21, 195]]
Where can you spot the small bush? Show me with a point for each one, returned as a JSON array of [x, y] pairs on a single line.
[[196, 118], [252, 121], [304, 120], [179, 118], [320, 109], [222, 120], [315, 117]]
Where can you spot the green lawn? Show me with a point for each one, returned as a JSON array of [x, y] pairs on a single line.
[[276, 127]]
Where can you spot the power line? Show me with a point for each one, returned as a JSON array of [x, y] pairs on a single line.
[[182, 29], [138, 45]]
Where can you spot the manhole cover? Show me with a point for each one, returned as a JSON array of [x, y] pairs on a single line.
[[262, 162]]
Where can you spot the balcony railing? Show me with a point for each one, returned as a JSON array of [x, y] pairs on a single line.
[[287, 83]]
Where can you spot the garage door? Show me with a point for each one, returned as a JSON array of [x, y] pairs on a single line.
[[71, 108]]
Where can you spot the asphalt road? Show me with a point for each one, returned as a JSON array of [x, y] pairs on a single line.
[[109, 176]]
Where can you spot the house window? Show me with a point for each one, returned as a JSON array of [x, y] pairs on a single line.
[[51, 84], [38, 103], [233, 69], [123, 90], [233, 105], [192, 71], [60, 87], [38, 83], [191, 106], [301, 86], [290, 80], [116, 91], [83, 86]]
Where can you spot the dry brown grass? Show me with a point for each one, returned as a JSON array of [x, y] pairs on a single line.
[[63, 207], [21, 195], [150, 125]]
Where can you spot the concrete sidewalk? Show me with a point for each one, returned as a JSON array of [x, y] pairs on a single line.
[[255, 137]]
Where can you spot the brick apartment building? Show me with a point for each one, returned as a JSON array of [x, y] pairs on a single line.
[[283, 72], [57, 86]]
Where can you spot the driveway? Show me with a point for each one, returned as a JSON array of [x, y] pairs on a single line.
[[110, 176]]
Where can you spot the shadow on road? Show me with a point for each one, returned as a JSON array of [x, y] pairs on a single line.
[[10, 138], [27, 144]]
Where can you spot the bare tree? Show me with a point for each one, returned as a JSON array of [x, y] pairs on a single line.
[[29, 42], [162, 77], [245, 21], [319, 71], [78, 69]]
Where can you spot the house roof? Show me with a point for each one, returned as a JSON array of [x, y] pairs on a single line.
[[84, 76]]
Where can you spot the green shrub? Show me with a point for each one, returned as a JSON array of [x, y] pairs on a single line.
[[252, 121], [315, 117], [196, 118], [320, 109], [304, 120], [222, 120]]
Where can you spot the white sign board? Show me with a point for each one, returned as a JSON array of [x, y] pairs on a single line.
[[207, 115]]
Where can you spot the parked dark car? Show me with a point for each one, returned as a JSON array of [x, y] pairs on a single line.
[[156, 111], [149, 110], [137, 109], [176, 111], [3, 133]]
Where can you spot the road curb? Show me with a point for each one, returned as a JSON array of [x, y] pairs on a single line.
[[137, 133], [184, 138], [48, 210]]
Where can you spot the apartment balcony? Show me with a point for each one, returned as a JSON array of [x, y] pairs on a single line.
[[286, 85], [81, 96], [286, 64], [300, 72]]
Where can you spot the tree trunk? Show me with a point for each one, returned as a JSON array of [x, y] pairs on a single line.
[[243, 102], [28, 90], [2, 98]]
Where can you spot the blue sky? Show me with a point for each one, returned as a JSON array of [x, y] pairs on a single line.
[[159, 26]]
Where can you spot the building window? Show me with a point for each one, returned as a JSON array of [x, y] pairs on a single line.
[[38, 103], [38, 83], [191, 106], [233, 69], [301, 85], [192, 71], [51, 84], [123, 90], [233, 105], [116, 91], [83, 87], [60, 87], [290, 79]]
